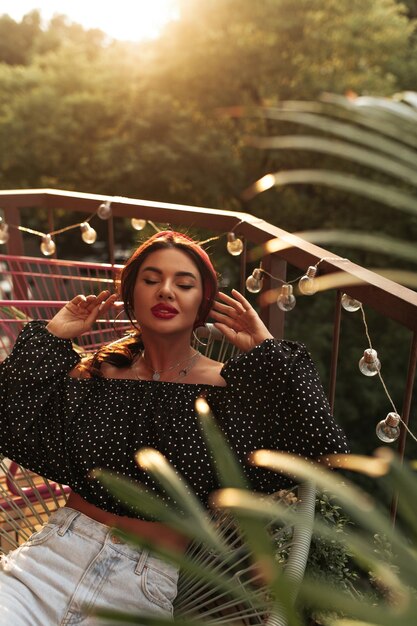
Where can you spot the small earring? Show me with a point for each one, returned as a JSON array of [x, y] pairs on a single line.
[[130, 320], [115, 320], [197, 338]]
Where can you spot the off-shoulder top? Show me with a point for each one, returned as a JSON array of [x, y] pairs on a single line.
[[63, 427]]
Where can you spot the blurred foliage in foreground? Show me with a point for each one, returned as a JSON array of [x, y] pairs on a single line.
[[392, 565], [382, 135]]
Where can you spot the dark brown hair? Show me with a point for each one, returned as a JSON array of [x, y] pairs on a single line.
[[122, 352]]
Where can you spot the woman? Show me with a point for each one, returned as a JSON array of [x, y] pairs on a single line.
[[64, 418]]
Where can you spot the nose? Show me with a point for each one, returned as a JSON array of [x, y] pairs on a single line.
[[165, 291]]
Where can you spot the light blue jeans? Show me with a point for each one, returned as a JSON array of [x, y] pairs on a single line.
[[74, 564]]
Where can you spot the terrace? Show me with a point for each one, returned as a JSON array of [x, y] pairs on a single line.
[[38, 286]]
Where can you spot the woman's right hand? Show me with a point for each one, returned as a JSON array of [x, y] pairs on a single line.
[[79, 314]]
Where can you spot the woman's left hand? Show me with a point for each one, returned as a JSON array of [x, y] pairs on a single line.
[[238, 321]]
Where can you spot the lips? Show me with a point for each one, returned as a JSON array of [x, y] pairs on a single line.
[[164, 311]]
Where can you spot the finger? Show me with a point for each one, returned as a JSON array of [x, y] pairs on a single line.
[[229, 333], [225, 319], [79, 300], [94, 301], [227, 310], [102, 296], [245, 303], [99, 307], [91, 301], [231, 301], [106, 305]]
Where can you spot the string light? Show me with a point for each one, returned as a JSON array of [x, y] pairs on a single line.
[[369, 364], [307, 285], [104, 211], [388, 429], [255, 281], [88, 234], [48, 246], [4, 231], [350, 304], [138, 224], [286, 300], [234, 244]]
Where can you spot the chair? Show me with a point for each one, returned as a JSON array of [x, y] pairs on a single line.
[[36, 288], [27, 500]]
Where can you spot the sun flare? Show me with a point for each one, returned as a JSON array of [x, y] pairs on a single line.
[[125, 20], [137, 20]]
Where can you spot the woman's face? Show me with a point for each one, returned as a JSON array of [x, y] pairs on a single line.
[[168, 292]]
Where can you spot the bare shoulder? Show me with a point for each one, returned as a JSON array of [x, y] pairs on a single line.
[[79, 371], [108, 371], [111, 371], [207, 372]]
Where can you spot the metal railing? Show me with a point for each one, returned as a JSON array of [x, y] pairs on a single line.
[[387, 298]]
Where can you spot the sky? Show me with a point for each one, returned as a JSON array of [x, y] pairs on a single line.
[[130, 20]]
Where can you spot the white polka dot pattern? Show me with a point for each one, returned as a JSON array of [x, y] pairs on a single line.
[[63, 427]]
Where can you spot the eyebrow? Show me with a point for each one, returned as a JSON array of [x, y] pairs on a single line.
[[150, 268]]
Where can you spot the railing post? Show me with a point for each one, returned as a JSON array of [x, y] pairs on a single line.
[[335, 348], [110, 238], [51, 227], [15, 244], [20, 288], [405, 415], [270, 314], [243, 260]]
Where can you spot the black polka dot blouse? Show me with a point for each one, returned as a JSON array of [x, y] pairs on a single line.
[[63, 427]]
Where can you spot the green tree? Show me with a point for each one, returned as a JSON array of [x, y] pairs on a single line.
[[229, 52], [19, 39]]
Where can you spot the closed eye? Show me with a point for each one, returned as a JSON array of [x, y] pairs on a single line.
[[148, 281], [185, 286]]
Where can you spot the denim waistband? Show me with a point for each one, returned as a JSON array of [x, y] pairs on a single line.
[[79, 523]]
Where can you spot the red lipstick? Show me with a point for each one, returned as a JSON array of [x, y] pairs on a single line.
[[164, 311]]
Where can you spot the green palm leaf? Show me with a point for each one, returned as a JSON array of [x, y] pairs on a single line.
[[385, 194]]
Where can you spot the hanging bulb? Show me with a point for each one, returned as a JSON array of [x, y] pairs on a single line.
[[388, 430], [138, 224], [48, 246], [255, 281], [369, 364], [104, 211], [350, 304], [234, 244], [4, 232], [88, 234], [286, 300], [307, 285]]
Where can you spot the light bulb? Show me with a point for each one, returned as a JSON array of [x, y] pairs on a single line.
[[369, 364], [350, 304], [4, 232], [255, 281], [388, 430], [104, 210], [48, 246], [234, 244], [286, 300], [138, 224], [88, 234], [307, 285]]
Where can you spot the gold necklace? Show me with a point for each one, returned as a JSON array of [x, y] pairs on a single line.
[[156, 374], [186, 370]]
